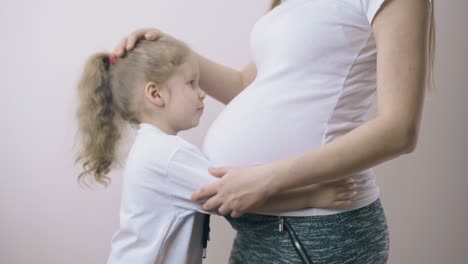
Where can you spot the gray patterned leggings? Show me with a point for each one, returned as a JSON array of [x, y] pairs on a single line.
[[359, 236]]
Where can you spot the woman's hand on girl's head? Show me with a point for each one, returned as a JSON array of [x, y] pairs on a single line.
[[240, 189], [129, 42]]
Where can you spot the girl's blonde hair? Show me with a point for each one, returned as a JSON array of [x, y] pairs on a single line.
[[430, 51], [109, 96]]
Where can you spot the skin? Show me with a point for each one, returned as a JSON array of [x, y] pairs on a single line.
[[178, 105], [400, 30]]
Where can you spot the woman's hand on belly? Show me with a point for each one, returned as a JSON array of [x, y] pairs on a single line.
[[240, 189]]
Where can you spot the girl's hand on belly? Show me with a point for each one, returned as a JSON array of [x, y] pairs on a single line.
[[239, 190], [332, 195]]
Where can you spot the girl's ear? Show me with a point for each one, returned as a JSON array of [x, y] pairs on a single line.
[[154, 94]]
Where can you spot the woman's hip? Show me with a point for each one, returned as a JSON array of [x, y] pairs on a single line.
[[357, 236]]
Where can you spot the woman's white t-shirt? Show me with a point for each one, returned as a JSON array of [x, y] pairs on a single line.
[[316, 81], [158, 221]]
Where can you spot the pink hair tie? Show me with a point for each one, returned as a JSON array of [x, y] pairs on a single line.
[[112, 59]]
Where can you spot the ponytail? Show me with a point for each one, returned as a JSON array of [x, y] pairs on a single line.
[[97, 120], [111, 96], [274, 3]]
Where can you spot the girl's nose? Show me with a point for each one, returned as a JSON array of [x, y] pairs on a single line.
[[202, 94]]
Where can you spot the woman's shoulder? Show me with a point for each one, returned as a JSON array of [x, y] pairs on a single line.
[[372, 7]]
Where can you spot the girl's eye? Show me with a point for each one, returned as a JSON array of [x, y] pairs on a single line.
[[192, 83]]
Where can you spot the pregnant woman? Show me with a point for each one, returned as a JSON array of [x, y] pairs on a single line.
[[295, 116]]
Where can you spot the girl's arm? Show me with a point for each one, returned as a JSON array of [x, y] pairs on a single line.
[[327, 195], [400, 31]]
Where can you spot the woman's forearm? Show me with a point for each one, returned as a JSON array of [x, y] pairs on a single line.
[[364, 147], [219, 81]]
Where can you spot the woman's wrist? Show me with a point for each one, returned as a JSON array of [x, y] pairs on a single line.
[[275, 171], [298, 198]]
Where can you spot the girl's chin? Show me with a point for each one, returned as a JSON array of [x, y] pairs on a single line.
[[195, 123]]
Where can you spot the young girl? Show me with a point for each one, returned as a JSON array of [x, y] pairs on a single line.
[[155, 89]]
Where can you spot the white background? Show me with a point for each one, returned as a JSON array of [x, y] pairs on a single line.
[[45, 217]]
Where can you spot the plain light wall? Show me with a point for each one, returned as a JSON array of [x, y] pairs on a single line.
[[45, 217]]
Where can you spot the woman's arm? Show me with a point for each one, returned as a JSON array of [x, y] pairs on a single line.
[[400, 31], [187, 169], [224, 83], [218, 81]]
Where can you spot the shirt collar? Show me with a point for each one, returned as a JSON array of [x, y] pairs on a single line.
[[150, 127]]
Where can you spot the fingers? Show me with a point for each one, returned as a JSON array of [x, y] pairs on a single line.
[[119, 51], [235, 214], [343, 199], [340, 182], [129, 42], [345, 196], [153, 34], [346, 188], [218, 172], [224, 210], [341, 203], [144, 33], [347, 184], [212, 204], [205, 192], [347, 180], [134, 37]]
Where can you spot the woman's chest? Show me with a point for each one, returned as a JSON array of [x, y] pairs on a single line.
[[304, 31]]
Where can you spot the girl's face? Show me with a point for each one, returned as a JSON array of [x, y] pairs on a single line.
[[184, 103]]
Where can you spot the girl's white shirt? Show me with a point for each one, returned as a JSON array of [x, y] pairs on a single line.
[[158, 221], [316, 81]]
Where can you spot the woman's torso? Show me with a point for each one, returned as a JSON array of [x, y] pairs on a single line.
[[316, 81]]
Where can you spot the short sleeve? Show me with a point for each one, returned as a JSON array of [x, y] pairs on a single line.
[[371, 7], [187, 171]]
